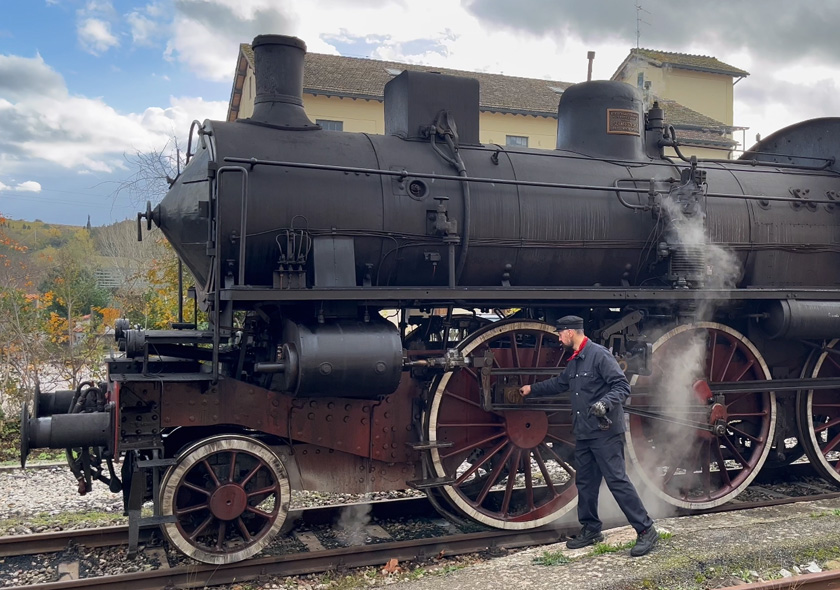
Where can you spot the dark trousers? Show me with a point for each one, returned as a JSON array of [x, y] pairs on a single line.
[[603, 458]]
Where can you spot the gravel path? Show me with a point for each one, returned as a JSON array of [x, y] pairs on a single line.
[[38, 500]]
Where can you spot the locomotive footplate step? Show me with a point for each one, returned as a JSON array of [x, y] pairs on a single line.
[[428, 445], [427, 484]]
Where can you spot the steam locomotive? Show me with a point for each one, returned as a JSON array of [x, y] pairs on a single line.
[[375, 302]]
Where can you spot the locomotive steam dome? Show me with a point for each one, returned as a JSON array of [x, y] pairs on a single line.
[[602, 118]]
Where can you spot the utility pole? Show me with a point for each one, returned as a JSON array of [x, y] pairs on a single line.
[[639, 21]]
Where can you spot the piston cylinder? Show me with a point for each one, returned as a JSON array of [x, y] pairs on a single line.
[[791, 318], [341, 359]]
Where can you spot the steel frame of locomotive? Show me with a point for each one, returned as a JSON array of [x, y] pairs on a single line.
[[217, 426]]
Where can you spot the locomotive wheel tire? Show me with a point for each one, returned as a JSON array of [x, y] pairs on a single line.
[[817, 410], [653, 482], [564, 497], [233, 500]]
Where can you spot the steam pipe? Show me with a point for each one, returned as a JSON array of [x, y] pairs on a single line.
[[499, 181]]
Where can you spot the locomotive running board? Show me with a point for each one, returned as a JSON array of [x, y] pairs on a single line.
[[518, 294]]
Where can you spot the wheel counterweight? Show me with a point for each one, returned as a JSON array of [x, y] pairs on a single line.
[[694, 449], [229, 495], [511, 469]]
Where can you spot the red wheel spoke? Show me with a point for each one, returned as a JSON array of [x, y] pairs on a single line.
[[448, 393], [830, 445], [832, 360], [537, 355], [512, 471], [705, 458], [827, 425], [724, 473], [514, 351], [734, 450], [470, 447], [267, 490], [232, 466], [193, 487], [541, 464], [470, 371], [561, 440], [749, 366], [744, 434], [253, 472], [240, 524], [529, 484], [557, 458], [493, 477], [211, 472], [196, 508], [476, 466], [259, 512], [201, 527], [728, 362]]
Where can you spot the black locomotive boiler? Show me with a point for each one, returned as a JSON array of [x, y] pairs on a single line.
[[349, 280]]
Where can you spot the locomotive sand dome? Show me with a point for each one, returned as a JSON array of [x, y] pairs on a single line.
[[712, 281]]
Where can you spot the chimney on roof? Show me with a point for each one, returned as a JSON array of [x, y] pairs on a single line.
[[278, 71], [591, 57]]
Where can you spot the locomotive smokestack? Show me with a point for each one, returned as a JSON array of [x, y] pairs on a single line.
[[278, 65]]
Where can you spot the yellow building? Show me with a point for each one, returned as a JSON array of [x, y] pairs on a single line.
[[346, 93]]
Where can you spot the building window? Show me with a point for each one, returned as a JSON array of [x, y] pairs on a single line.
[[640, 80], [516, 141], [328, 125]]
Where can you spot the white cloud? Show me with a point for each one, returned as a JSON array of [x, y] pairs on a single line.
[[143, 29], [44, 122], [28, 186], [95, 36]]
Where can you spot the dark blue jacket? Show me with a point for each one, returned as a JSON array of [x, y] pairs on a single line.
[[594, 375]]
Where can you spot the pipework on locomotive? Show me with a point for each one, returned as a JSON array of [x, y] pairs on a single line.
[[713, 282]]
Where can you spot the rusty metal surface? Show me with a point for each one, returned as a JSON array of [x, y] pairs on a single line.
[[374, 429]]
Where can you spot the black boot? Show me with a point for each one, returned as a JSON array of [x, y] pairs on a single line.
[[645, 542], [584, 537]]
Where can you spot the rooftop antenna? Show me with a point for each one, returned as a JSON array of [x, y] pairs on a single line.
[[639, 21]]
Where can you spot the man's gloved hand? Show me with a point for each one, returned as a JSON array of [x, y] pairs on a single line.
[[598, 409]]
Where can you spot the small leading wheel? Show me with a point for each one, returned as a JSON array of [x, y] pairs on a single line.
[[818, 415], [229, 495], [511, 469], [692, 449]]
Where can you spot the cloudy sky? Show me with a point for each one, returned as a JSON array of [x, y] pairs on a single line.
[[86, 83]]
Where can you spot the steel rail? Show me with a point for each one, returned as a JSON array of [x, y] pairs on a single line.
[[118, 535], [201, 575]]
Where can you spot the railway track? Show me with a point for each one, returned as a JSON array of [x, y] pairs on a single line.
[[373, 544]]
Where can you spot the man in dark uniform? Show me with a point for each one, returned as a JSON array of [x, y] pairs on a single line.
[[598, 388]]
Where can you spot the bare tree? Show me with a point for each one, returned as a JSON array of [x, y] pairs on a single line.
[[154, 172]]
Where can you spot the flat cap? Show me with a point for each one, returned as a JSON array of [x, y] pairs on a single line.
[[569, 322]]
